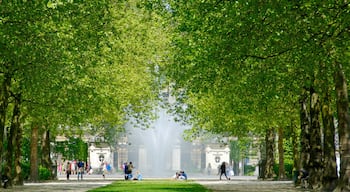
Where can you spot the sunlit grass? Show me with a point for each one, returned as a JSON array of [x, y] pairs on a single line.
[[153, 185]]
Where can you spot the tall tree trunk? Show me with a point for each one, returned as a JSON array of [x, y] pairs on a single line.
[[45, 150], [11, 141], [330, 167], [18, 179], [316, 163], [270, 160], [305, 132], [344, 128], [34, 168], [262, 162], [4, 95], [296, 154], [330, 177], [281, 170]]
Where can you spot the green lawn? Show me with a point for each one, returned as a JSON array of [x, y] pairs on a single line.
[[152, 185]]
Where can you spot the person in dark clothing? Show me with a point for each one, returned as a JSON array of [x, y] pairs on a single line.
[[126, 175], [4, 180], [80, 169], [223, 170], [68, 170], [304, 177]]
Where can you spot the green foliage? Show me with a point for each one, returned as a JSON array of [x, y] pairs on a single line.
[[239, 66], [82, 63], [73, 148], [25, 149], [152, 185], [288, 151], [25, 166], [249, 170], [44, 173], [235, 151], [288, 167]]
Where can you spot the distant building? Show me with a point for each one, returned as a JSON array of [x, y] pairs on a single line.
[[191, 157]]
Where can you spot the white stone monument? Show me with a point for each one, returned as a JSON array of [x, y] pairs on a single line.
[[215, 155], [100, 154]]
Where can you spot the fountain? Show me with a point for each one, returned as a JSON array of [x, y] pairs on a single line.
[[156, 151]]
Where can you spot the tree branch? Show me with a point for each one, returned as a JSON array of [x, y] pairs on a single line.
[[269, 56]]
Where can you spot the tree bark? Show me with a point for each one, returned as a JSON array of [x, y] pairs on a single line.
[[45, 149], [305, 132], [330, 167], [270, 161], [18, 178], [4, 95], [262, 162], [281, 170], [344, 128], [296, 154], [315, 163], [11, 141], [34, 168]]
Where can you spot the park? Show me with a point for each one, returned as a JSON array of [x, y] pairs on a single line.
[[255, 92]]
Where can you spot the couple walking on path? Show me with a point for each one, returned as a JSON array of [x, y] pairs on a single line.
[[222, 170]]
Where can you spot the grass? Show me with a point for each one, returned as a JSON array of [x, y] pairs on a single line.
[[153, 185]]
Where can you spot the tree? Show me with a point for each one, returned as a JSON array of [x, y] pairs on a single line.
[[344, 122], [98, 65], [272, 53]]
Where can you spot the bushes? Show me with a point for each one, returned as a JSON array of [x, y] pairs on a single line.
[[25, 170], [288, 167], [44, 173], [249, 170]]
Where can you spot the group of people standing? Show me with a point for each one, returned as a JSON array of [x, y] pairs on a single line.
[[75, 167], [128, 172]]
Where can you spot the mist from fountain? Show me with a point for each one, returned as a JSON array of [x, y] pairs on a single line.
[[156, 151]]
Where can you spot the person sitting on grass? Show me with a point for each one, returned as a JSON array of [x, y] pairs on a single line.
[[180, 175], [139, 176], [183, 175]]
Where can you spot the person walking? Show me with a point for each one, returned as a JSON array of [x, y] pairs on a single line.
[[68, 170], [80, 169], [223, 170]]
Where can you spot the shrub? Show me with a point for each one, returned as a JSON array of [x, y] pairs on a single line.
[[44, 173], [288, 167], [25, 166], [249, 170]]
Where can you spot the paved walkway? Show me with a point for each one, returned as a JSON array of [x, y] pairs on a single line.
[[249, 186], [236, 184]]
